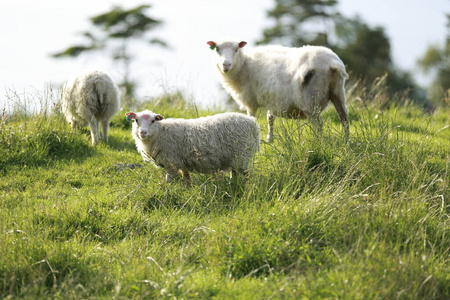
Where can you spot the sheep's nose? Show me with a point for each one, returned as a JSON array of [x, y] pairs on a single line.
[[143, 132], [226, 67]]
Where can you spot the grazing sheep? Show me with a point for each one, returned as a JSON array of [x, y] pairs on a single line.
[[221, 142], [289, 82], [89, 100]]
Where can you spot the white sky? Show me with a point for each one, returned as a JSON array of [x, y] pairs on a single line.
[[31, 30]]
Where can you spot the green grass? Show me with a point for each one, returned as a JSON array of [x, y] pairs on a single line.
[[316, 218]]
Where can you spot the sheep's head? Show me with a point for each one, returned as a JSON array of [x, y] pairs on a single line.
[[228, 54], [144, 124]]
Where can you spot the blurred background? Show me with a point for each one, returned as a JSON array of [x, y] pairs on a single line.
[[154, 48]]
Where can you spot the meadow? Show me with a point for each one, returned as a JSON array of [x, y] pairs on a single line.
[[316, 218]]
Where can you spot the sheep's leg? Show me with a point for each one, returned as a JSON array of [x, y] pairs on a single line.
[[105, 130], [94, 126], [339, 103], [270, 121]]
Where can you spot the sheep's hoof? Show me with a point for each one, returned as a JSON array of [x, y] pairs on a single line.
[[269, 139]]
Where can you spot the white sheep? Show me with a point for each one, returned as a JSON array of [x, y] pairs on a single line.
[[289, 82], [225, 141], [90, 99]]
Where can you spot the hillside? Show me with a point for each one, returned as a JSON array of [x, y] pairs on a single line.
[[315, 218]]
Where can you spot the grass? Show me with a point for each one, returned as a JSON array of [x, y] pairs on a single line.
[[317, 218]]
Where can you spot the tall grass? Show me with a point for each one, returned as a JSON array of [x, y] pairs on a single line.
[[316, 217]]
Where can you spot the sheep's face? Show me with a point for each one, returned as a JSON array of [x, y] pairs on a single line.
[[228, 54], [145, 123]]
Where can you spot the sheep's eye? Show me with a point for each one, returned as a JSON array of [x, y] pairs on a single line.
[[217, 49], [236, 50], [137, 122], [153, 121]]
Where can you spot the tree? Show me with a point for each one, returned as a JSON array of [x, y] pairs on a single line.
[[367, 53], [437, 60], [294, 20], [114, 30]]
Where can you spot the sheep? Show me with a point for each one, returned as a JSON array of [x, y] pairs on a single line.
[[90, 99], [225, 142], [289, 82]]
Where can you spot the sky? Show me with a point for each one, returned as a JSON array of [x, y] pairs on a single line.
[[30, 31]]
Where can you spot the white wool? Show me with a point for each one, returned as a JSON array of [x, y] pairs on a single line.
[[289, 82], [91, 99], [205, 145]]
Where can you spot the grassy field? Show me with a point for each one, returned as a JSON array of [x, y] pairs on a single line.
[[316, 218]]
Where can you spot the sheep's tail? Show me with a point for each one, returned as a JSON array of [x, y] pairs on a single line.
[[99, 96], [337, 67], [99, 92]]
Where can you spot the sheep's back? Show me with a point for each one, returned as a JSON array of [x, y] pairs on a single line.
[[205, 144], [91, 95], [272, 75]]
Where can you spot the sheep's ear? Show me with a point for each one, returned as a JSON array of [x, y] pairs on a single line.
[[242, 44], [212, 45], [130, 116], [159, 118]]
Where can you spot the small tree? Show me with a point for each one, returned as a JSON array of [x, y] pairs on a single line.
[[114, 30]]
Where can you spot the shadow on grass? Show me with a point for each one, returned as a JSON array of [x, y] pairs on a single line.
[[41, 277], [41, 147], [121, 143]]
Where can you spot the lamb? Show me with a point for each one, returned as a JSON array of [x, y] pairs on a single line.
[[90, 99], [225, 142], [289, 82]]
